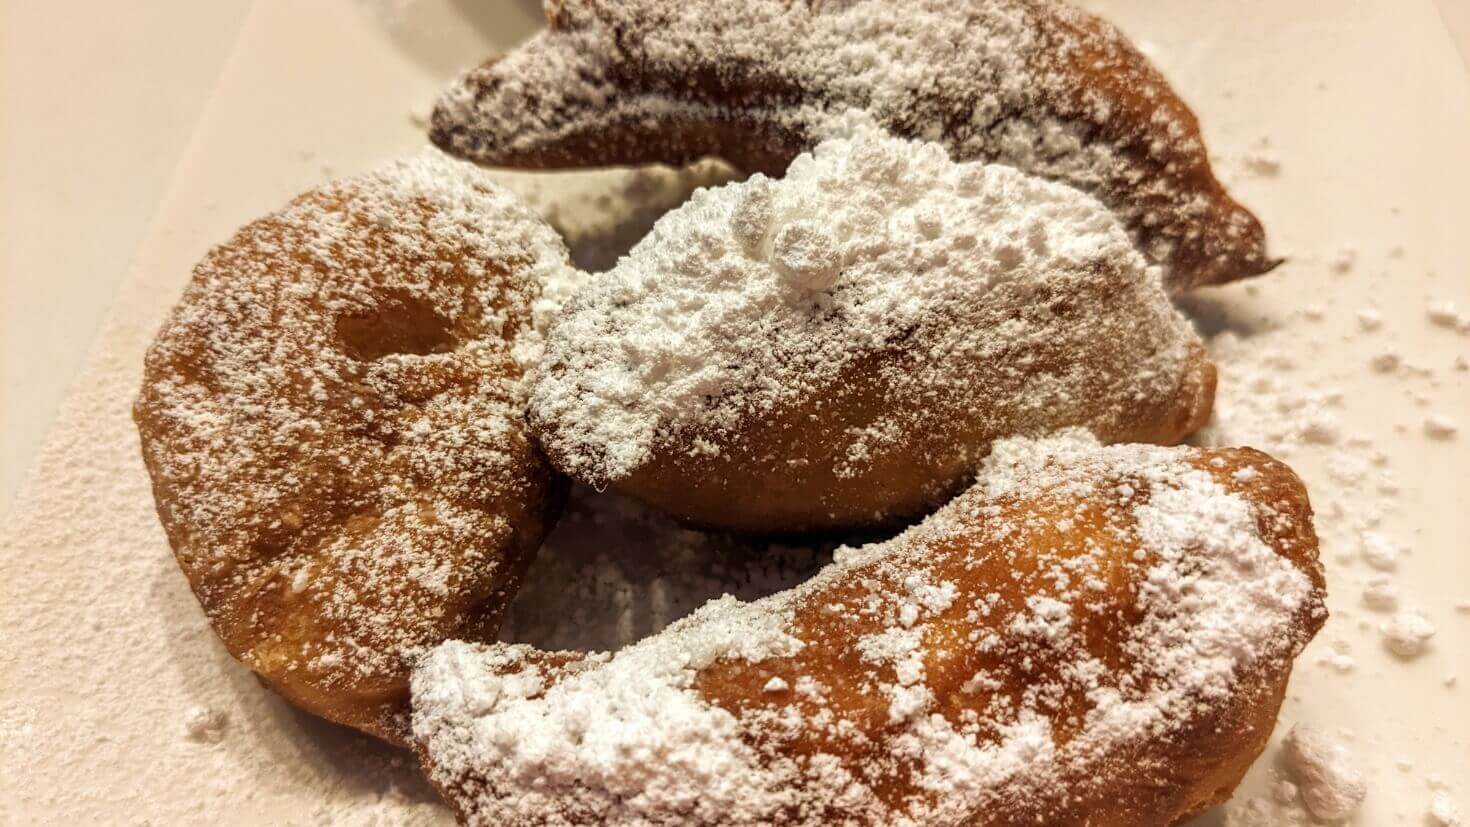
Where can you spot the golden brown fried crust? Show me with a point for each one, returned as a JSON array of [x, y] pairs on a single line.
[[637, 82], [1163, 781], [1001, 551], [332, 422], [783, 473]]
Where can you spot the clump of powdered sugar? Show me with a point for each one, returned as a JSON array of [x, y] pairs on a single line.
[[205, 725], [1444, 313], [515, 733], [1379, 552], [753, 297], [1444, 812], [1407, 634], [1381, 594], [1440, 427], [1331, 784]]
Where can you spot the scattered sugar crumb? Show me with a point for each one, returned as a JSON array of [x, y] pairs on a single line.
[[1331, 785], [1381, 594], [1386, 361], [1321, 428], [205, 725], [1444, 313], [1369, 320], [1337, 658], [1379, 552], [1444, 812], [1344, 261], [1261, 160], [1407, 634], [1440, 426]]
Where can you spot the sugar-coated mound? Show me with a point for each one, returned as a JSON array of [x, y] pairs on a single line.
[[841, 346]]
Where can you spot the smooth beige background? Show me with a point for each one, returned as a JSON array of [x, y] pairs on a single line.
[[97, 103]]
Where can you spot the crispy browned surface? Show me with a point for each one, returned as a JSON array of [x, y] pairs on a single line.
[[781, 473], [1082, 73], [306, 418], [1151, 782], [1001, 552]]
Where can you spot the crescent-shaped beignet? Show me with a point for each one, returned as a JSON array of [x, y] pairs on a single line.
[[840, 347], [1036, 84], [1089, 635]]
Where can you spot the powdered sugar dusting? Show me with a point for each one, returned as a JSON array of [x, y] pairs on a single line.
[[332, 419], [614, 571], [655, 733], [1037, 85], [754, 297]]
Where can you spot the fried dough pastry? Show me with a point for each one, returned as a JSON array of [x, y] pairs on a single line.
[[839, 348], [1035, 84], [334, 425], [1089, 635]]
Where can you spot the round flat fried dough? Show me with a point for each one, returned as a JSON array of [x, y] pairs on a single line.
[[839, 348], [333, 420]]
